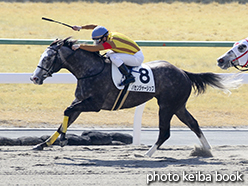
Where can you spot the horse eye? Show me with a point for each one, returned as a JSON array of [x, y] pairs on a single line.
[[242, 48]]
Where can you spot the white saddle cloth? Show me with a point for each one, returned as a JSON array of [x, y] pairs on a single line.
[[144, 80]]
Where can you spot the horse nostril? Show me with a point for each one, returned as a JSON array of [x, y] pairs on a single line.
[[220, 60], [34, 79]]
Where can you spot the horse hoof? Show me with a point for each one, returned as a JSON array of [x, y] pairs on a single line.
[[63, 143], [38, 147]]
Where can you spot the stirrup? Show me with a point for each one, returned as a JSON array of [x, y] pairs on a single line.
[[129, 79]]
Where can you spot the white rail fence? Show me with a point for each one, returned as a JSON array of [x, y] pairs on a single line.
[[12, 78], [63, 78], [67, 78]]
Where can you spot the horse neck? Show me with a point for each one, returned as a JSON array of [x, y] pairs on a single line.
[[82, 63]]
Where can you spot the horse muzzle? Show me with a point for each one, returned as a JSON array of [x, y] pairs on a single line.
[[36, 80], [224, 63], [221, 63]]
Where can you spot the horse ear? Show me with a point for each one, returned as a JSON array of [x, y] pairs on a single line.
[[62, 42], [68, 42], [66, 39], [55, 42]]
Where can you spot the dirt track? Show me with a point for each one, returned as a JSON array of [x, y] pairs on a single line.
[[120, 165]]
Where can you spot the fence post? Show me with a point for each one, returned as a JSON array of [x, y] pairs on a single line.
[[137, 123]]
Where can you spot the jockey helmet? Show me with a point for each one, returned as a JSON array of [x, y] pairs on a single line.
[[99, 32]]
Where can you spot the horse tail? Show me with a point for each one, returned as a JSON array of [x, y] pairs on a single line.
[[200, 81]]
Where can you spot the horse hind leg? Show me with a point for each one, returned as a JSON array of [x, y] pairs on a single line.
[[164, 134], [191, 122], [164, 131]]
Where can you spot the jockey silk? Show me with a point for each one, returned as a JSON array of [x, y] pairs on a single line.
[[123, 43]]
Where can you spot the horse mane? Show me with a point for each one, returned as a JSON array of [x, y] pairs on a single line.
[[68, 42]]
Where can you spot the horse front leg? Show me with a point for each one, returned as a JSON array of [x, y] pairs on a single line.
[[68, 120], [70, 115], [48, 142]]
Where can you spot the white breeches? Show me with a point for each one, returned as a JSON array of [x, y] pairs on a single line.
[[131, 60]]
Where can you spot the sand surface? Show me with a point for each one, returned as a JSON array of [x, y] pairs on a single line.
[[122, 165]]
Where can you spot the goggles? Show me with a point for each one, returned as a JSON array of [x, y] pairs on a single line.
[[99, 40]]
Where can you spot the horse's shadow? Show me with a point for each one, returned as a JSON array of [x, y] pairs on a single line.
[[157, 162]]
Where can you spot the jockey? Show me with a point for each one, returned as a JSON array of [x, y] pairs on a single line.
[[124, 51]]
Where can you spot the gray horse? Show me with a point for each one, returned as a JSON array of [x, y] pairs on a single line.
[[95, 89], [236, 57]]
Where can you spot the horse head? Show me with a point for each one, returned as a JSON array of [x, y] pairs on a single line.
[[51, 61], [236, 56]]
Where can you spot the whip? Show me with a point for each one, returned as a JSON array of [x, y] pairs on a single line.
[[51, 20]]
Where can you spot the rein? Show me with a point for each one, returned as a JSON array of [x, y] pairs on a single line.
[[235, 66], [89, 76]]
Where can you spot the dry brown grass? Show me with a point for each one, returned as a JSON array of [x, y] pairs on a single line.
[[28, 105]]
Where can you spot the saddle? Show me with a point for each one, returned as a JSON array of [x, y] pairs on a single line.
[[144, 80]]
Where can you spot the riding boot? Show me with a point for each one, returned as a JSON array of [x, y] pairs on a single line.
[[129, 78]]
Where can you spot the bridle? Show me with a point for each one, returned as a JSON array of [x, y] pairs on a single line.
[[245, 65], [235, 66], [51, 70]]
